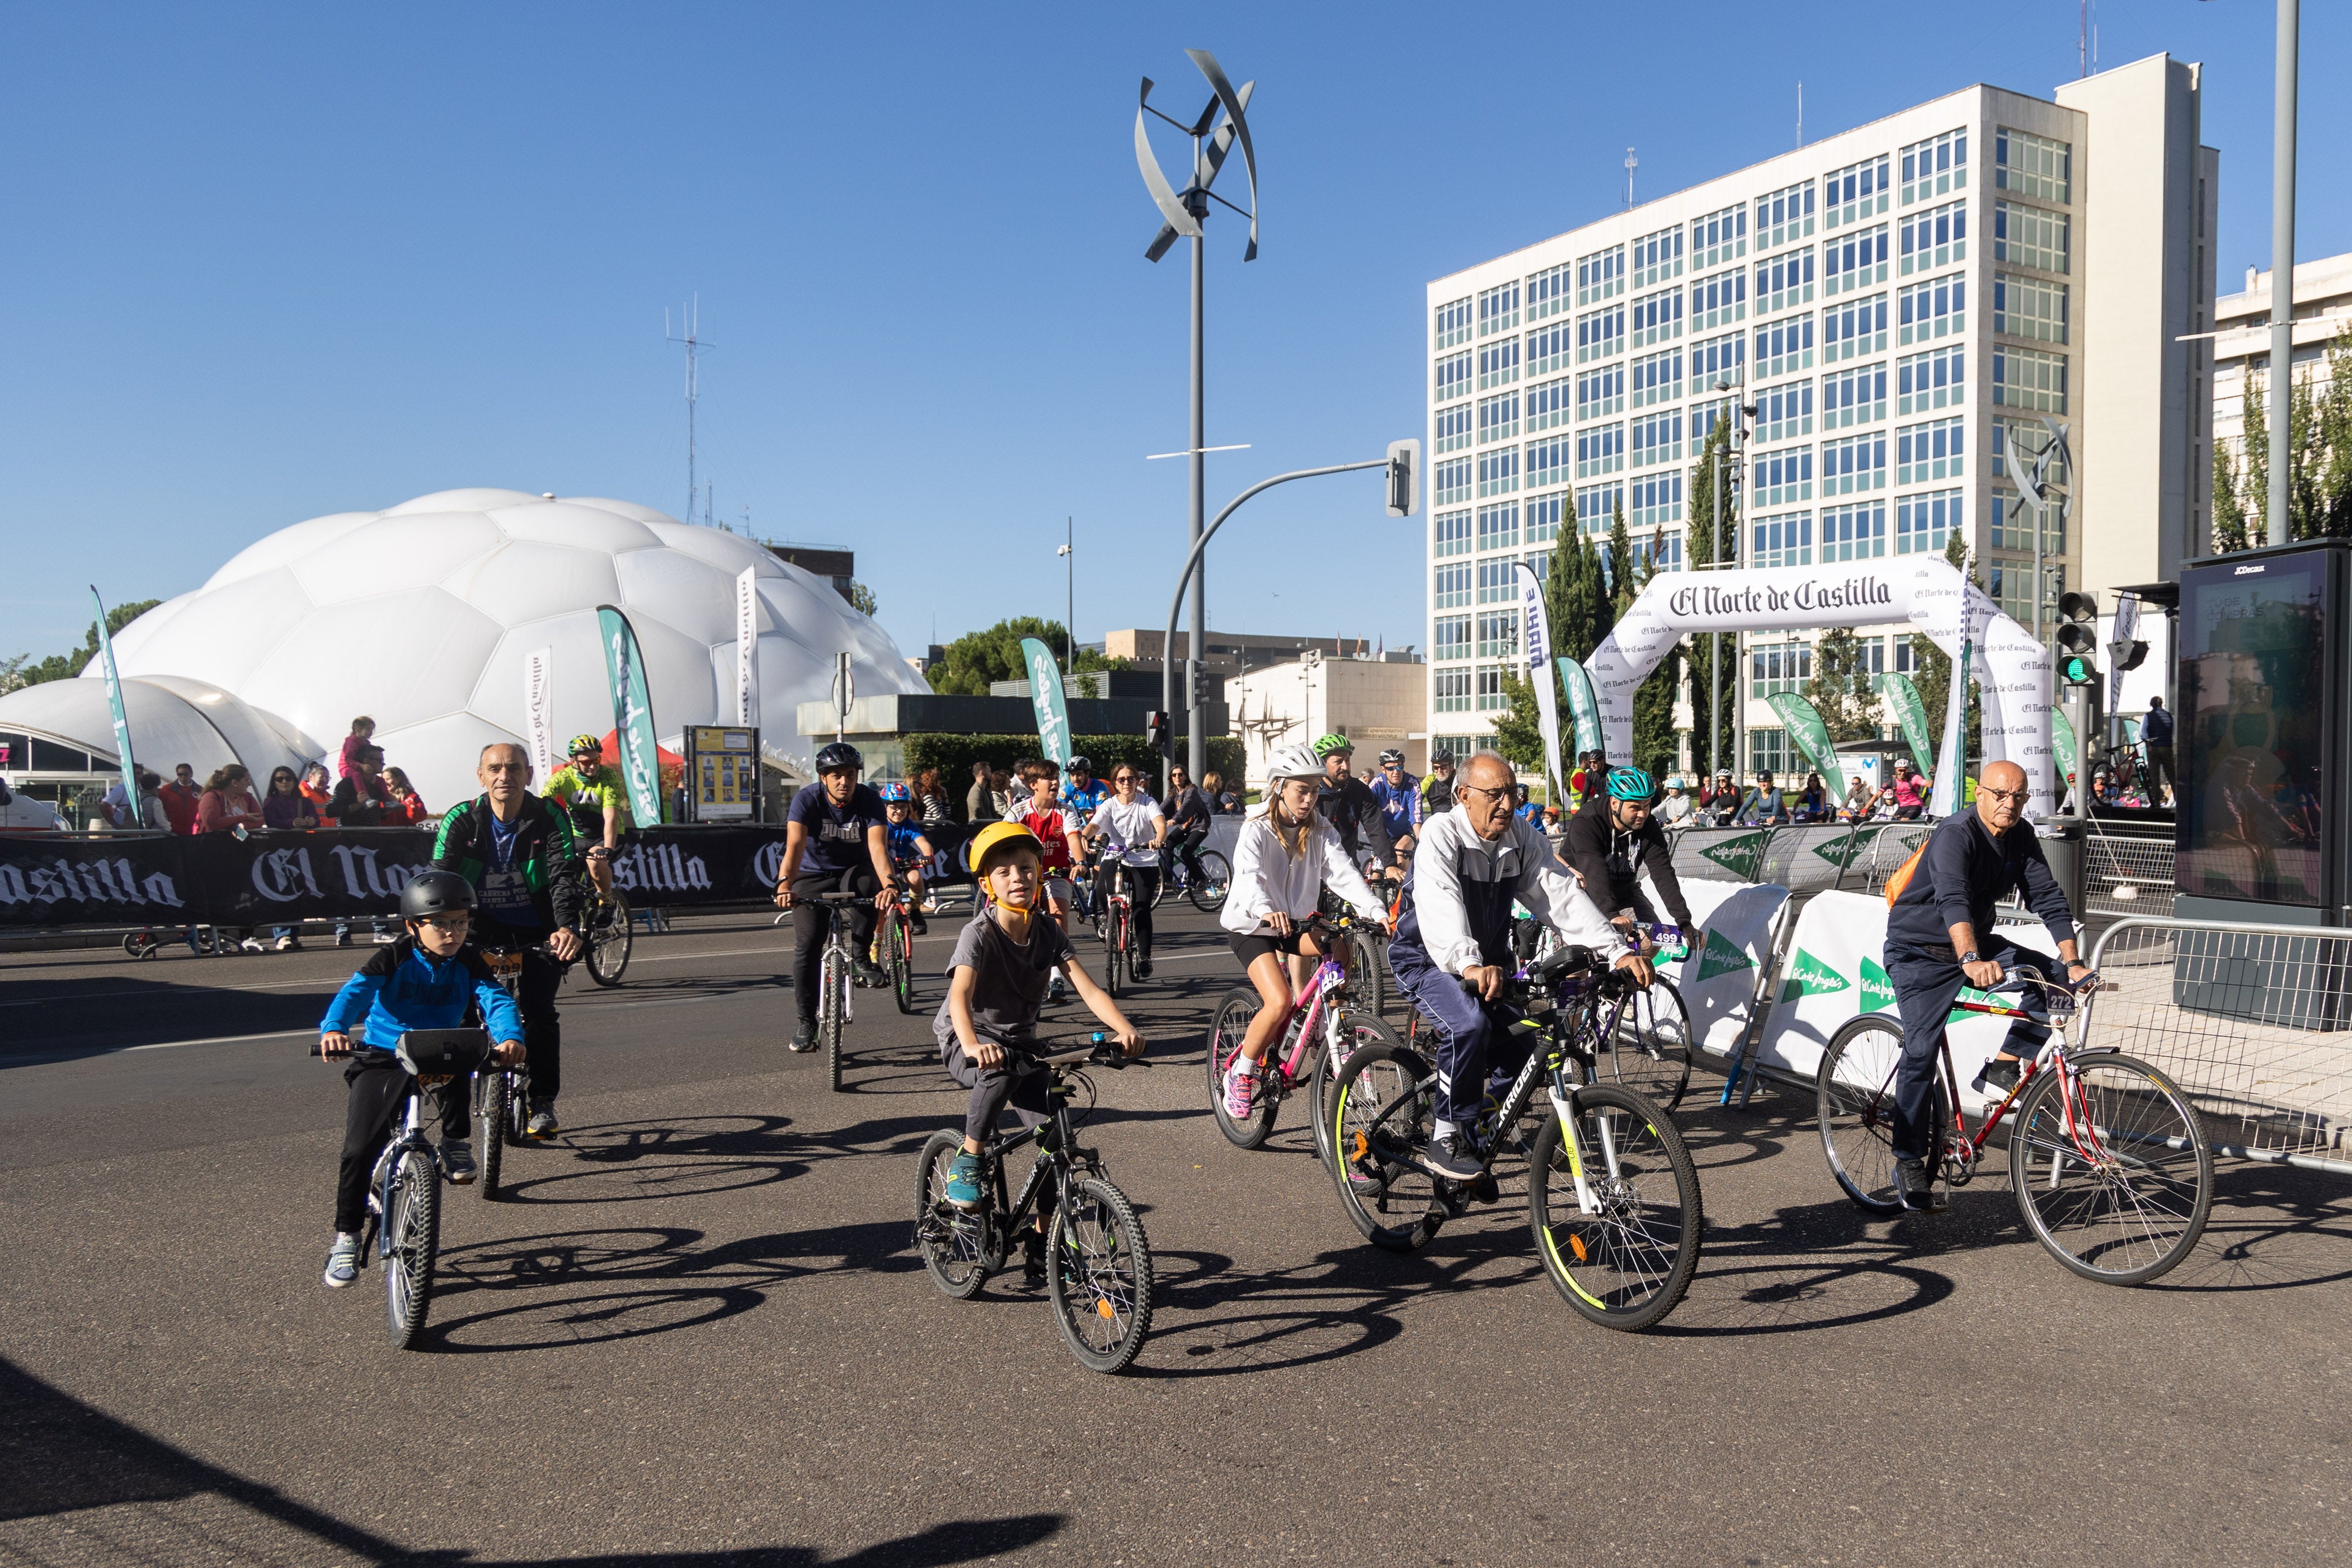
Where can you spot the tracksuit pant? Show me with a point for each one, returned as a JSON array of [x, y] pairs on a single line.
[[378, 1084], [1015, 1081], [1477, 1056], [1926, 981]]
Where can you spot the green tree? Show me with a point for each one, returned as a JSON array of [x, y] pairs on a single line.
[[1840, 688], [22, 671], [1704, 545], [1519, 728], [2319, 479], [861, 598], [976, 658]]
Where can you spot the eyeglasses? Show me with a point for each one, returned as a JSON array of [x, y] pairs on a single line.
[[1503, 794], [457, 922], [2019, 795]]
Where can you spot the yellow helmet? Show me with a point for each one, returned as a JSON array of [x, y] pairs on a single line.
[[989, 840]]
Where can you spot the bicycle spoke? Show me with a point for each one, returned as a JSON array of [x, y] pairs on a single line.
[[2112, 1170]]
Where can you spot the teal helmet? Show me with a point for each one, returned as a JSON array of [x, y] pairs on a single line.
[[1631, 784]]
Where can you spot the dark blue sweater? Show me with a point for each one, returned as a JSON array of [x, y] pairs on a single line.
[[1964, 874]]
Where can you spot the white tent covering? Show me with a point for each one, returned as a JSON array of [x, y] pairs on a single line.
[[172, 721], [422, 615]]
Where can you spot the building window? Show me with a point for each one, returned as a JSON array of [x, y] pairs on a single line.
[[1933, 167], [1452, 480], [1490, 688], [1600, 391], [1785, 412], [2032, 236], [1499, 471], [1658, 256], [1781, 477], [1498, 417], [1453, 376], [1923, 523], [1784, 281], [1454, 323], [1658, 552], [1853, 397], [1601, 276], [1601, 334], [2013, 525], [1499, 363], [1450, 589], [1543, 515], [1658, 317], [1654, 501], [1499, 635], [1718, 362], [1548, 460], [1856, 192], [1930, 381], [1498, 526], [2028, 377], [1784, 346], [1719, 301], [1538, 562], [1719, 236], [1783, 540], [2032, 166], [1658, 438], [1784, 215], [1596, 508], [2029, 308], [1854, 330], [1600, 450], [1857, 261], [1552, 348], [2012, 586], [1853, 533], [1768, 749], [1658, 378], [1930, 451], [1497, 581], [1547, 405], [1929, 310], [1935, 237], [1454, 428], [1498, 308], [1854, 465], [1549, 291], [1449, 690], [1702, 416], [1778, 667], [1449, 638], [1453, 534]]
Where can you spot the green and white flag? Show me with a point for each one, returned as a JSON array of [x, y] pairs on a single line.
[[2062, 736], [114, 703], [1911, 713], [1045, 695], [1810, 738], [1952, 760], [1582, 707], [633, 714]]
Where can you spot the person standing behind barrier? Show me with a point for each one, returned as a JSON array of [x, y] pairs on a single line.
[[407, 805], [1676, 808], [1764, 807], [180, 797], [931, 801], [228, 806], [287, 810], [2156, 732], [1910, 792], [980, 804], [1857, 801], [1940, 937]]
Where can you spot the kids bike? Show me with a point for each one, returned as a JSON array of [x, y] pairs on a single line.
[[1324, 1028]]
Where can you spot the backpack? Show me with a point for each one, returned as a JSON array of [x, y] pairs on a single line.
[[1903, 873]]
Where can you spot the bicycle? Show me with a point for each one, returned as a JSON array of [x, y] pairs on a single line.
[[836, 980], [894, 943], [1092, 1253], [502, 1097], [404, 1217], [1117, 923], [2108, 1160], [1321, 1031], [1205, 877], [1612, 1194], [607, 933]]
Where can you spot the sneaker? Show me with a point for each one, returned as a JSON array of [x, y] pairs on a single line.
[[803, 1037], [1914, 1191], [1451, 1157], [1997, 1077], [871, 975], [252, 944], [1143, 969], [1241, 1089], [457, 1162], [343, 938], [542, 1124], [918, 925], [963, 1181], [343, 1261], [383, 939], [284, 945], [1057, 987]]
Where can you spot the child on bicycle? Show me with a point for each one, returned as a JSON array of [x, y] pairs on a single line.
[[1283, 859], [909, 851], [425, 980], [1043, 814], [996, 983]]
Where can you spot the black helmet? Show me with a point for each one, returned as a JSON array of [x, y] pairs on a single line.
[[435, 893], [840, 754], [1440, 759], [1080, 765]]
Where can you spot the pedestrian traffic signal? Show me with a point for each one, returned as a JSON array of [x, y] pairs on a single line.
[[2078, 638], [1155, 725]]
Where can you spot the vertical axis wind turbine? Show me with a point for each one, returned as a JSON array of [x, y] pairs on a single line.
[[1183, 212]]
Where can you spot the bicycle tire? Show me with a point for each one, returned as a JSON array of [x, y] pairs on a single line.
[[832, 1002], [1226, 1029], [612, 937], [1365, 982], [1357, 1032], [1650, 1055], [411, 1221], [1114, 930], [2136, 1219], [518, 1106], [1098, 1275], [897, 941], [953, 1241], [1209, 889], [1388, 1093], [1626, 1266], [1853, 1105], [490, 1130]]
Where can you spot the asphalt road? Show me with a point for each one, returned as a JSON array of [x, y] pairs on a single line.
[[699, 1334]]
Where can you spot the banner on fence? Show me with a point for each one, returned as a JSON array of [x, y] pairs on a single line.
[[1718, 979], [1812, 738], [633, 715]]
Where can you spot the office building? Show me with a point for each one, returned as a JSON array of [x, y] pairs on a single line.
[[1900, 305], [2323, 311]]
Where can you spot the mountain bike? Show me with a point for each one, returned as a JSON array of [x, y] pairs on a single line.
[[1205, 878], [1118, 922], [2108, 1159], [894, 944], [1084, 1240], [1323, 1029], [835, 982], [501, 1094], [607, 934], [1612, 1194]]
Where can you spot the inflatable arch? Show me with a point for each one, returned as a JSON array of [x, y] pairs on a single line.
[[1938, 602]]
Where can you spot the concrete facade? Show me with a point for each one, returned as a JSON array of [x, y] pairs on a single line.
[[1376, 704], [2323, 308]]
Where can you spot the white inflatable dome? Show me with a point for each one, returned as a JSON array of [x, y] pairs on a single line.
[[421, 616]]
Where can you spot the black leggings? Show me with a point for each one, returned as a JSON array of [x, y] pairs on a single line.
[[813, 921], [378, 1085], [1142, 887]]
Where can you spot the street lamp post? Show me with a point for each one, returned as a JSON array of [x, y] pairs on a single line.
[[2282, 268], [1068, 552]]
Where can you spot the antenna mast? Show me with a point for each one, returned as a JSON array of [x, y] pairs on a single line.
[[1632, 163], [689, 320]]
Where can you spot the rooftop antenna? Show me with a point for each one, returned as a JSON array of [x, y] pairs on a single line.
[[1631, 164], [689, 320], [1800, 113]]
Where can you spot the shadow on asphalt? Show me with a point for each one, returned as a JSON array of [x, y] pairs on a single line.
[[141, 1011]]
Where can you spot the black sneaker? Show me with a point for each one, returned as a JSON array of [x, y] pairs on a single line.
[[1913, 1189], [457, 1161], [1451, 1157], [918, 925], [871, 975], [1997, 1077], [1143, 969], [803, 1037]]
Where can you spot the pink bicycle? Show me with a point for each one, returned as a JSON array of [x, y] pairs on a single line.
[[1323, 1030]]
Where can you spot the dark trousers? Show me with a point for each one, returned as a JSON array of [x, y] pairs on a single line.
[[378, 1084], [1926, 981], [1477, 1056], [1184, 846], [2159, 765], [1015, 1082], [812, 923], [1142, 887], [542, 1028]]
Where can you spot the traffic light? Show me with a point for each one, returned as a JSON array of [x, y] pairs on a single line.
[[1199, 687], [1404, 478], [2078, 638], [1155, 726]]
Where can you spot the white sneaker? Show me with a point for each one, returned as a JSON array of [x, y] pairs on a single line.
[[284, 945], [252, 944]]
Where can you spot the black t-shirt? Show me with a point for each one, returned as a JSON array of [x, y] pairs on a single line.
[[836, 834]]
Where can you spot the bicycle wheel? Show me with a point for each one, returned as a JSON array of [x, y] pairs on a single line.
[[953, 1241], [1098, 1276], [1854, 1098], [832, 1003], [491, 1129], [1366, 985], [1114, 930], [1649, 1053], [1356, 1033], [899, 945], [1225, 1032], [412, 1225], [610, 935], [1626, 1264], [2122, 1195], [1211, 882], [1383, 1109], [518, 1106]]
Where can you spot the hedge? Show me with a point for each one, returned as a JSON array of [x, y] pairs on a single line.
[[953, 756]]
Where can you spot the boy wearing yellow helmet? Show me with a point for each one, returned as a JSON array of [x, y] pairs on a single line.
[[996, 984]]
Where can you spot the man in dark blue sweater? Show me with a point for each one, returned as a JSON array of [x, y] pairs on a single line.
[[1933, 947]]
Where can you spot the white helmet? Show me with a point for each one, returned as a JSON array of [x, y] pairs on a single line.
[[1293, 762]]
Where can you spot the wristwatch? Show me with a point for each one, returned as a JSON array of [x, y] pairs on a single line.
[[1970, 956]]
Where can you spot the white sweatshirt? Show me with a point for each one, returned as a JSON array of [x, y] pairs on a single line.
[[1266, 881], [1450, 854]]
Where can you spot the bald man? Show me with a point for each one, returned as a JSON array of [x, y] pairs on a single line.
[[1454, 931], [1940, 936]]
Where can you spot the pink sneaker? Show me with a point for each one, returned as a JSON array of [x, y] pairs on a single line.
[[1241, 1085]]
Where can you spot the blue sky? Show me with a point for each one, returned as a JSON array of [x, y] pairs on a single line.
[[266, 263]]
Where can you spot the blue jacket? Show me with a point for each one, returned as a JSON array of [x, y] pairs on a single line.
[[1964, 874], [400, 989], [1400, 804]]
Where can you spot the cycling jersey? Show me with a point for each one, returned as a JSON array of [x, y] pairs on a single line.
[[1611, 861], [906, 842], [1080, 805], [1400, 803], [1352, 807], [587, 794], [1436, 796]]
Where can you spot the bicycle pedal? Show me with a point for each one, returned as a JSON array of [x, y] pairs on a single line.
[[1486, 1189]]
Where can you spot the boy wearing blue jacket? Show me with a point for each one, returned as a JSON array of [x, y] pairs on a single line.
[[426, 979]]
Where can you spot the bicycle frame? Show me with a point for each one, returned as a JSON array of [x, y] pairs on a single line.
[[2053, 1056], [411, 1136], [1317, 1004]]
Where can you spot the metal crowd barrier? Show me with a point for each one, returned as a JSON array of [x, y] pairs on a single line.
[[2126, 869], [1856, 857]]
